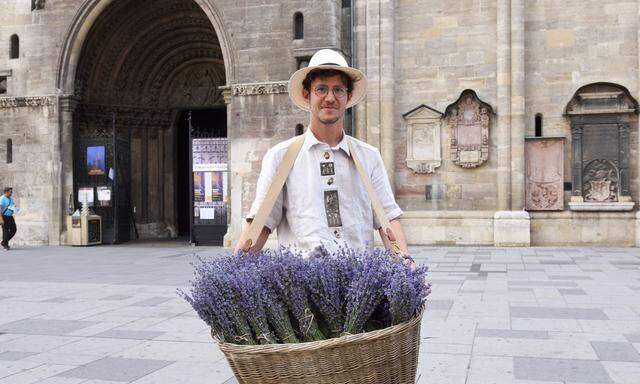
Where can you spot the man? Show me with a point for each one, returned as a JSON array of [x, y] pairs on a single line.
[[324, 201], [7, 207]]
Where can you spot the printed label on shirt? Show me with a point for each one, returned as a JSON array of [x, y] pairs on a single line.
[[327, 169], [332, 208]]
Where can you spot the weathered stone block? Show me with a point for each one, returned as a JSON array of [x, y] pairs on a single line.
[[511, 229]]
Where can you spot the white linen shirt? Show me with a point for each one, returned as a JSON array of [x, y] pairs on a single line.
[[299, 212]]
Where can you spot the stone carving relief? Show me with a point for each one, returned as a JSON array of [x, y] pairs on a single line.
[[544, 174], [32, 101], [423, 139], [600, 181], [469, 120], [252, 89]]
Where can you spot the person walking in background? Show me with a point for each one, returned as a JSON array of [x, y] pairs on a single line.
[[8, 209]]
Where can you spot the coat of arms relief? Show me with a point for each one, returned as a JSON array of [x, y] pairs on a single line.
[[469, 120]]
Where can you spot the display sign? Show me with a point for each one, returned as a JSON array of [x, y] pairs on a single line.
[[104, 196], [96, 161], [210, 154], [85, 196]]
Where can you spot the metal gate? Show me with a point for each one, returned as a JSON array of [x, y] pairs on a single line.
[[208, 164], [102, 169]]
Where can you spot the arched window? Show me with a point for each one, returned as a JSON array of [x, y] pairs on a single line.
[[9, 151], [346, 3], [538, 124], [299, 129], [298, 26], [14, 50]]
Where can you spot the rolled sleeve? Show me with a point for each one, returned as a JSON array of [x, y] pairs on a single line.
[[269, 168], [381, 185]]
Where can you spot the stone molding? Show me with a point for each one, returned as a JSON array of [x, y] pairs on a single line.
[[29, 101], [612, 206], [253, 89]]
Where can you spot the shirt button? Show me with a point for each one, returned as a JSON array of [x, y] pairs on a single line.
[[337, 234], [327, 155], [330, 181]]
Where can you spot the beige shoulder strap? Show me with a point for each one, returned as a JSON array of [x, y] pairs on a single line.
[[256, 225], [375, 202]]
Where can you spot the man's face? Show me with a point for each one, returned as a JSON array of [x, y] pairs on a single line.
[[328, 99], [8, 193]]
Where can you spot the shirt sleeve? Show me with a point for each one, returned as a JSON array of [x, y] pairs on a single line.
[[381, 185], [269, 168]]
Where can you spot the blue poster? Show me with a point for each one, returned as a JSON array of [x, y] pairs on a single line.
[[95, 161]]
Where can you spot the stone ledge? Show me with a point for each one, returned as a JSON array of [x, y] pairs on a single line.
[[616, 206]]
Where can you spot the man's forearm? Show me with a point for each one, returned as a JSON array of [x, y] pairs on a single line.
[[398, 233], [259, 244]]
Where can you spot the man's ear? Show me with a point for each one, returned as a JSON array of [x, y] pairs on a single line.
[[306, 94]]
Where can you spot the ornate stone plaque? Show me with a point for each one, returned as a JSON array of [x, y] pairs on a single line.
[[544, 174], [423, 139], [600, 116], [469, 120]]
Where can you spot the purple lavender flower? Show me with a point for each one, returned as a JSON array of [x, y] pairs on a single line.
[[366, 290], [287, 278], [323, 280], [405, 292]]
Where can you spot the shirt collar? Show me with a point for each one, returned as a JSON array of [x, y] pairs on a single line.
[[311, 140]]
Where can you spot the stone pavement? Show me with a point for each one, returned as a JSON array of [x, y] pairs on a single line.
[[110, 315]]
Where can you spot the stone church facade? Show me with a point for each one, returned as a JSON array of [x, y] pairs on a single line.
[[505, 122]]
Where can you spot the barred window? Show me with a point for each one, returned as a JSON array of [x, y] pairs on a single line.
[[14, 50], [298, 26]]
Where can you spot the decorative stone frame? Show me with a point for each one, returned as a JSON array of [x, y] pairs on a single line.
[[469, 112], [423, 127], [611, 107]]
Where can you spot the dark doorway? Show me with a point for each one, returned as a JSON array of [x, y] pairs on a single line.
[[204, 123]]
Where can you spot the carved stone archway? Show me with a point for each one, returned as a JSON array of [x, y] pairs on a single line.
[[144, 60]]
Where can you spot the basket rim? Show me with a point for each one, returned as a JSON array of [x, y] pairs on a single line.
[[322, 344]]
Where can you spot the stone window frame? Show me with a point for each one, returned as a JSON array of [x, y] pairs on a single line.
[[14, 47], [538, 120], [9, 151], [298, 26]]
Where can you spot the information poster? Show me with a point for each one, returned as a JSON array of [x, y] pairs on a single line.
[[104, 196], [210, 181], [96, 161], [85, 195]]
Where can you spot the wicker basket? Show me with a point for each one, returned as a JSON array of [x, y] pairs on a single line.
[[386, 356]]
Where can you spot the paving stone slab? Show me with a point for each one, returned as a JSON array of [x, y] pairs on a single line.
[[45, 327], [563, 370], [558, 313], [116, 369], [615, 351]]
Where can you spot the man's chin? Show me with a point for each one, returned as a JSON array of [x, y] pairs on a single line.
[[329, 121]]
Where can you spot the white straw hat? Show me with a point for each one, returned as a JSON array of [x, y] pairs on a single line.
[[327, 59]]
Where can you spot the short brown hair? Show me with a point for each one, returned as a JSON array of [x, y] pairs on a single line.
[[325, 73]]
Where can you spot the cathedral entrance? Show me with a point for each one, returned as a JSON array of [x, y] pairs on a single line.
[[147, 84]]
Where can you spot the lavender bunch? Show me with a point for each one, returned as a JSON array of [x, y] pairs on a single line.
[[366, 290], [324, 276], [213, 300], [277, 313], [405, 292], [287, 277], [247, 287]]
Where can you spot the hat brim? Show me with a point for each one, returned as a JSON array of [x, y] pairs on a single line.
[[357, 94]]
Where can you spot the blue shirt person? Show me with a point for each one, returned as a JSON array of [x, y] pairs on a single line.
[[7, 209]]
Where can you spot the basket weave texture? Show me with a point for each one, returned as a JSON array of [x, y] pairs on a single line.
[[385, 356]]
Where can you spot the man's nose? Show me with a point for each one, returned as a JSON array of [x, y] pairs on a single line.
[[330, 96]]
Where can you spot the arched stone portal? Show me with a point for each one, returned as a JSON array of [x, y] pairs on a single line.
[[143, 65]]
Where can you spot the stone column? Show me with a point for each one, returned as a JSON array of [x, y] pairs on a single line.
[[63, 170], [375, 53], [387, 91], [518, 122], [511, 225], [504, 104]]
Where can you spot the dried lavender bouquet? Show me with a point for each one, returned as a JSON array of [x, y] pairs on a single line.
[[280, 297]]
